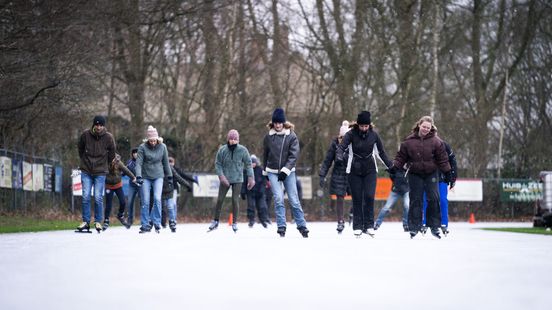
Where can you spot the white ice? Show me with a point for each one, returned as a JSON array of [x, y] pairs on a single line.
[[256, 269]]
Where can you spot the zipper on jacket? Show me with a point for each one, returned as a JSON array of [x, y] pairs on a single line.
[[281, 151]]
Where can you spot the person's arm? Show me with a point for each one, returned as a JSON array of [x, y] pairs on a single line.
[[166, 166], [111, 149], [81, 145], [343, 146], [126, 171], [180, 179], [328, 161], [381, 152], [293, 154]]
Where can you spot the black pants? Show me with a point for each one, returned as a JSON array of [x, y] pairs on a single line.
[[363, 190], [236, 189], [109, 202], [257, 202], [420, 183]]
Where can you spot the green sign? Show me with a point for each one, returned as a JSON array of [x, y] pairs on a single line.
[[520, 190]]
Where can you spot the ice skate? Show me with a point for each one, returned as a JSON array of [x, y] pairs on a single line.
[[413, 234], [105, 225], [213, 226], [172, 226], [250, 224], [357, 233], [304, 231], [377, 226], [405, 228], [98, 227], [423, 230], [340, 227], [144, 230], [281, 231], [445, 230], [370, 232], [265, 225], [121, 219], [235, 227], [435, 232], [157, 228], [84, 227]]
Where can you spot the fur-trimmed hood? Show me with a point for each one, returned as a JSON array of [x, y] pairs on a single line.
[[288, 127]]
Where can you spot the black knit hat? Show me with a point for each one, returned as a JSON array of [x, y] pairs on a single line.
[[278, 116], [134, 150], [363, 118], [98, 120]]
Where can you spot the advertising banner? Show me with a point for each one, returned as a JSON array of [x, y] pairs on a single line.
[[58, 182], [38, 177], [520, 190], [48, 178], [17, 174], [466, 190], [27, 176], [5, 172], [76, 182]]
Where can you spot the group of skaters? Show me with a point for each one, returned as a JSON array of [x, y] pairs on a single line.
[[422, 171]]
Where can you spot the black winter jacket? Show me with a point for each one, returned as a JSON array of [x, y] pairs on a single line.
[[363, 159], [338, 183]]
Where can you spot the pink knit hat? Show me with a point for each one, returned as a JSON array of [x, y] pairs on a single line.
[[152, 133], [344, 128], [233, 135]]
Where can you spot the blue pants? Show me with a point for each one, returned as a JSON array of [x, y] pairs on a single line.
[[443, 199]]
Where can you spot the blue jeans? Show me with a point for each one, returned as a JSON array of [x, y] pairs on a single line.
[[132, 192], [290, 185], [443, 199], [391, 200], [170, 203], [98, 181], [155, 215]]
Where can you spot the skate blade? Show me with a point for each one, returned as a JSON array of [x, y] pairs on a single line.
[[83, 231]]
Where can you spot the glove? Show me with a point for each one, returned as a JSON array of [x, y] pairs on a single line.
[[452, 184], [392, 170], [139, 181], [242, 196], [224, 180], [250, 183], [282, 176], [322, 182], [170, 181]]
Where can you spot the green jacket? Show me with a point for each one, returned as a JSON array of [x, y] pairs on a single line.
[[152, 162], [232, 163]]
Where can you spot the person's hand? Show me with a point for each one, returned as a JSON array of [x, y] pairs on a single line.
[[170, 181], [242, 196], [224, 180], [250, 183], [452, 184], [322, 182], [282, 176], [392, 170], [139, 180]]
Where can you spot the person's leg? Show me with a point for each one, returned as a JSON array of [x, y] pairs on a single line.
[[290, 184], [391, 200], [236, 189], [251, 201], [145, 202], [132, 192], [86, 181], [223, 190], [99, 188], [108, 204], [157, 192], [122, 203], [356, 191], [406, 205], [278, 196], [339, 202], [424, 210], [443, 198], [369, 197], [416, 200], [263, 209], [431, 188]]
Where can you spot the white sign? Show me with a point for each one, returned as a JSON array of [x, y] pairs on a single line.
[[38, 177], [466, 190], [208, 186], [306, 185], [27, 176], [76, 182], [5, 172]]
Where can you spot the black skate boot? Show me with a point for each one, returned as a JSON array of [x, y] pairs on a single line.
[[435, 232], [281, 231], [405, 228], [413, 234], [235, 227], [376, 226], [214, 225], [250, 224], [445, 230], [157, 228], [172, 226], [340, 227], [423, 230], [105, 225], [265, 225], [121, 219], [304, 231], [144, 230], [84, 227], [98, 227]]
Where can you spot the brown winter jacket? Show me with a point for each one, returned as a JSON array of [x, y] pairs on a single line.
[[96, 151], [114, 178], [422, 155]]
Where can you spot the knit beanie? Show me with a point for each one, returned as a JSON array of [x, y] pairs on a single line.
[[344, 128], [233, 134], [254, 159], [363, 118], [98, 120], [278, 116], [152, 133]]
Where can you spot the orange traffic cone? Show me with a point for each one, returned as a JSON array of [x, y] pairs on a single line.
[[472, 218], [230, 219]]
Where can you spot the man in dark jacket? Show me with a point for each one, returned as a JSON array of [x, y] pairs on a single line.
[[281, 150], [256, 199], [96, 150]]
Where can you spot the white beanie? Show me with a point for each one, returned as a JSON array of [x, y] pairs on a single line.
[[152, 133], [344, 128]]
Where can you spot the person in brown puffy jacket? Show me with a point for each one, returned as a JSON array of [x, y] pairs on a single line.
[[423, 154]]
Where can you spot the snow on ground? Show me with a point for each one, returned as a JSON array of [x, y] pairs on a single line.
[[256, 269]]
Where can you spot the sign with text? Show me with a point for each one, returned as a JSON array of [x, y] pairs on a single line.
[[38, 177], [520, 190], [27, 176], [5, 172]]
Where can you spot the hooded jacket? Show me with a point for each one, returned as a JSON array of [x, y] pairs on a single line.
[[338, 182], [423, 155], [280, 150], [231, 163], [96, 151], [153, 162], [114, 178]]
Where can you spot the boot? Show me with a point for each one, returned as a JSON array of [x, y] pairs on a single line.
[[83, 227], [340, 226], [235, 227], [98, 227], [105, 225], [445, 230], [281, 231], [144, 230], [304, 231], [435, 232], [172, 225], [121, 219], [357, 233], [214, 225]]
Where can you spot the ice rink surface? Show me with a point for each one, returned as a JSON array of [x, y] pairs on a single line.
[[256, 269]]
